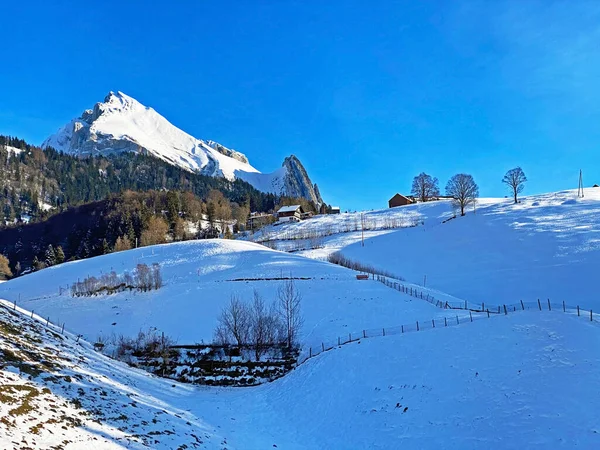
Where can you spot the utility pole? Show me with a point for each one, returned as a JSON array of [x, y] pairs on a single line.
[[362, 228]]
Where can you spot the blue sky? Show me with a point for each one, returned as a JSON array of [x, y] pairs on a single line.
[[366, 94]]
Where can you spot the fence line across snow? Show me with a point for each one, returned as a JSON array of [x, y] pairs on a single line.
[[447, 321]]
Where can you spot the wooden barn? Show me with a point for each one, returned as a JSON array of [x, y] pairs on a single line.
[[399, 200]]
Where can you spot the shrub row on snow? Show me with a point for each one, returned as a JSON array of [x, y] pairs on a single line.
[[143, 278], [341, 260]]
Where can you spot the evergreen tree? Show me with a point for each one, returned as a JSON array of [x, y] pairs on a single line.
[[60, 255], [105, 247], [50, 256]]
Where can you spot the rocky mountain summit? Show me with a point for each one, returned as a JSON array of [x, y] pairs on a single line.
[[122, 124]]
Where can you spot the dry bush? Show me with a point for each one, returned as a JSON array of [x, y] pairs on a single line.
[[341, 260], [144, 278]]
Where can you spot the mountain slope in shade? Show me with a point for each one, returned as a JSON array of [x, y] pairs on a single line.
[[122, 124]]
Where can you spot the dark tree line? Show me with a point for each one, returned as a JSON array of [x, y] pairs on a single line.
[[34, 177]]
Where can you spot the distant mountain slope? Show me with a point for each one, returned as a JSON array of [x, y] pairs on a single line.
[[122, 124]]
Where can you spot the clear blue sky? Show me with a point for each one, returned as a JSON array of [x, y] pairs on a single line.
[[367, 94]]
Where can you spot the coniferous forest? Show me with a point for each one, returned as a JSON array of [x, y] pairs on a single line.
[[56, 207]]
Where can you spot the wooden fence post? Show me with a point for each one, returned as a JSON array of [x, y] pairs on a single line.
[[364, 334], [471, 316], [338, 340], [445, 322], [323, 346], [310, 353], [62, 331], [417, 325], [466, 305], [32, 313], [402, 328], [549, 307], [522, 305], [591, 316], [488, 311], [48, 321], [564, 307], [505, 312], [384, 331], [539, 304], [349, 337], [577, 310], [433, 323], [482, 307], [457, 319], [15, 305]]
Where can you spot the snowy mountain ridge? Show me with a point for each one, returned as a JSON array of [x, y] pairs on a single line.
[[122, 124]]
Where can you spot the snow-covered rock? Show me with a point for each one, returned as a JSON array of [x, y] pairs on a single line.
[[122, 124]]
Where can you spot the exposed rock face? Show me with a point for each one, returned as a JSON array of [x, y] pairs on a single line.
[[297, 182], [227, 151], [122, 124]]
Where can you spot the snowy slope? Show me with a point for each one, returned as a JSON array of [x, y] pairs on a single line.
[[121, 123], [56, 392], [14, 150], [198, 278], [547, 246], [526, 380]]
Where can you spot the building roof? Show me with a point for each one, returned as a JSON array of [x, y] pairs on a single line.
[[399, 195], [291, 208]]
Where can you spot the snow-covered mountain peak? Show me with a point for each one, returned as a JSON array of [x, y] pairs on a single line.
[[122, 124]]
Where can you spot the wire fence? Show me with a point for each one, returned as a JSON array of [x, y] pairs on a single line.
[[449, 320], [475, 312], [54, 326]]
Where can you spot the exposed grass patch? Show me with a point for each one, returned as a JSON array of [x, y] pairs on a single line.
[[15, 393], [9, 328]]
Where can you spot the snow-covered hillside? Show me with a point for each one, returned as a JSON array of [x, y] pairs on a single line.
[[546, 246], [199, 279], [121, 123], [525, 380]]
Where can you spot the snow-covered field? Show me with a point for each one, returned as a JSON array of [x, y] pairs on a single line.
[[199, 280], [547, 246], [528, 379]]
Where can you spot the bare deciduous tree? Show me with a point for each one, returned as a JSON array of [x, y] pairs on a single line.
[[258, 329], [156, 276], [515, 179], [463, 190], [424, 187], [288, 308], [234, 323]]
